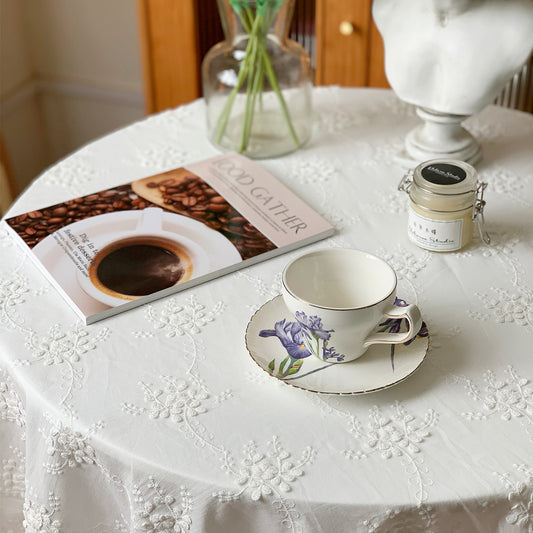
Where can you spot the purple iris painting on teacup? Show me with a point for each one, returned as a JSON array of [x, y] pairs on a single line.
[[393, 325]]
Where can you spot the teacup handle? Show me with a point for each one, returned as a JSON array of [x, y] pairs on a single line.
[[414, 320]]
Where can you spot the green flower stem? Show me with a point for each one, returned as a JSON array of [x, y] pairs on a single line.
[[243, 72], [256, 87], [254, 67], [271, 75], [250, 96], [274, 81], [249, 21]]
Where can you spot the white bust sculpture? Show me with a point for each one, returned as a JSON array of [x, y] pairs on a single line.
[[453, 56]]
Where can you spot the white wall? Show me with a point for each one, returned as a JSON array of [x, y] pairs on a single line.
[[20, 119], [70, 71]]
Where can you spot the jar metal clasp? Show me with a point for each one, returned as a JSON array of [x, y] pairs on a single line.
[[406, 182], [477, 213]]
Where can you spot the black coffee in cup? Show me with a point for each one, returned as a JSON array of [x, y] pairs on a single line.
[[135, 267]]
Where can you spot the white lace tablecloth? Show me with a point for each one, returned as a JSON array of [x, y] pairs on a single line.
[[158, 420]]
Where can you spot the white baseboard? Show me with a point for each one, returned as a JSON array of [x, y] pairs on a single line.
[[17, 98], [72, 89]]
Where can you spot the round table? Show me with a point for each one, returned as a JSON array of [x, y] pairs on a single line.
[[158, 419]]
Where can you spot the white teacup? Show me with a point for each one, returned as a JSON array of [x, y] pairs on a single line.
[[132, 264], [338, 296]]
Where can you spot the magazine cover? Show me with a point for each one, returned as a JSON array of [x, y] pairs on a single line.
[[118, 248]]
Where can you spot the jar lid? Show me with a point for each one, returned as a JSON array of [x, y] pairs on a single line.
[[446, 177], [444, 185]]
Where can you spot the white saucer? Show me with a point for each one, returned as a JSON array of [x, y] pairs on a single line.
[[220, 250], [372, 372]]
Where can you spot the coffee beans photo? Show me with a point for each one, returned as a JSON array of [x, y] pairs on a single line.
[[186, 193], [36, 225], [189, 195]]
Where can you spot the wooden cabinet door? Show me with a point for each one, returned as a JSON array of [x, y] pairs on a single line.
[[170, 52], [349, 50]]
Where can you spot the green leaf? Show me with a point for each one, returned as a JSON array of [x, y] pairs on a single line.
[[283, 363], [239, 5], [295, 367], [264, 5], [272, 365]]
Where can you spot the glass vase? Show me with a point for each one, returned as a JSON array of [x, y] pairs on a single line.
[[257, 82]]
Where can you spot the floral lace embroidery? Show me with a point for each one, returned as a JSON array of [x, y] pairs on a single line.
[[316, 172], [262, 288], [178, 400], [484, 131], [13, 481], [397, 435], [68, 448], [75, 173], [159, 158], [313, 170], [11, 406], [175, 319], [64, 348], [505, 182], [419, 520], [394, 202], [383, 153], [505, 307], [6, 240], [339, 218], [407, 265], [13, 292], [40, 518], [156, 510], [170, 118], [511, 397], [337, 121], [520, 497], [183, 401], [175, 117], [268, 474], [398, 107], [502, 246]]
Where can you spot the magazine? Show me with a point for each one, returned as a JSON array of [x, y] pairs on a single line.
[[128, 245]]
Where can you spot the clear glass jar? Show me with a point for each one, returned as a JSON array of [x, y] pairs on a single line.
[[257, 83], [446, 199]]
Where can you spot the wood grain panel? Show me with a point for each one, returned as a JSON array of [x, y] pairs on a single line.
[[342, 59], [170, 52]]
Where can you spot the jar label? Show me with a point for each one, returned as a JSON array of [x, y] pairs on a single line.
[[443, 174], [436, 235]]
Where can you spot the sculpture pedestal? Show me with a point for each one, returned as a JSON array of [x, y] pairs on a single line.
[[441, 136]]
